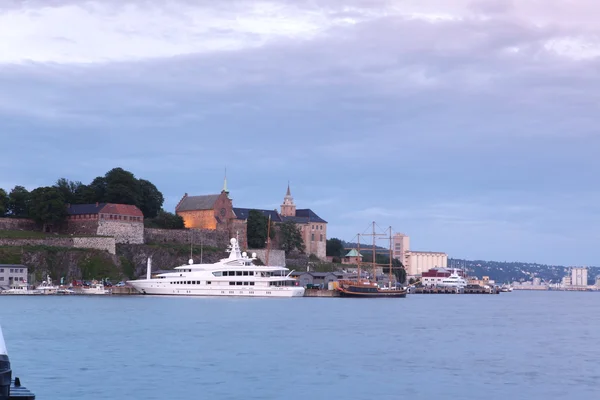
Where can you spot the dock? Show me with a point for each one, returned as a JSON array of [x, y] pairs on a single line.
[[321, 293], [18, 392], [435, 290]]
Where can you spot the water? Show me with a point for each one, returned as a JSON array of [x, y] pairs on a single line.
[[520, 345]]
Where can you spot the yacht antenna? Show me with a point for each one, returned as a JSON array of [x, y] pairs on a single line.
[[268, 239], [201, 248]]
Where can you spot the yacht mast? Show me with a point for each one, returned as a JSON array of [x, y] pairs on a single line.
[[268, 239], [374, 256]]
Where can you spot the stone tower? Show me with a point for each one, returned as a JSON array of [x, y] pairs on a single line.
[[288, 208]]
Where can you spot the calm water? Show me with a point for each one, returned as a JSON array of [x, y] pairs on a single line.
[[520, 345]]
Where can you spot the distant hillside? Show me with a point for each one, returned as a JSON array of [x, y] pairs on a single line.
[[503, 272]]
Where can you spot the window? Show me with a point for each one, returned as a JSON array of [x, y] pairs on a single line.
[[21, 270], [12, 270], [232, 283], [245, 273], [238, 273], [321, 227], [312, 237], [251, 283], [321, 238], [208, 282], [1, 269], [1, 278], [238, 283]]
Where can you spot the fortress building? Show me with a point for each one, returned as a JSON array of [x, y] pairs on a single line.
[[216, 212]]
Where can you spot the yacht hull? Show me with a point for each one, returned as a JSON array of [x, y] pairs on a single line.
[[152, 288]]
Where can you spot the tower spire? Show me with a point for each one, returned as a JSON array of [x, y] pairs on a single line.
[[288, 190], [225, 182]]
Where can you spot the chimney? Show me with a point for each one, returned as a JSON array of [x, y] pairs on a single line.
[[96, 204]]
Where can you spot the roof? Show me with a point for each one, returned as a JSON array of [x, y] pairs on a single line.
[[12, 266], [105, 208], [194, 203], [305, 216], [243, 213], [353, 253]]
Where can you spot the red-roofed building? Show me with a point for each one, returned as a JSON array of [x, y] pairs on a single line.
[[124, 222]]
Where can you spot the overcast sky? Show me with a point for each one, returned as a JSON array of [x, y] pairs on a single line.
[[471, 126]]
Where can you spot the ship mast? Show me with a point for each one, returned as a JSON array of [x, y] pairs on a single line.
[[391, 254], [374, 256], [358, 259]]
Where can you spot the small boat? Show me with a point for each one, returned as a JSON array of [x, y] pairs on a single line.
[[47, 287], [9, 389], [454, 280], [98, 288]]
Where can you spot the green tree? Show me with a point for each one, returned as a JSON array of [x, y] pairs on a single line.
[[397, 269], [291, 237], [72, 192], [47, 206], [18, 202], [3, 202], [122, 187], [256, 228], [151, 200], [334, 248], [165, 220]]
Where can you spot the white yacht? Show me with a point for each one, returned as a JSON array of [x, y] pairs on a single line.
[[454, 280], [235, 275]]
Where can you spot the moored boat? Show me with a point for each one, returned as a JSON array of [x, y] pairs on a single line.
[[367, 289]]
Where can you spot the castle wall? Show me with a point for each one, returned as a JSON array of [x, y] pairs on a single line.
[[98, 243], [81, 227], [276, 257], [207, 237], [17, 224], [123, 232], [107, 244]]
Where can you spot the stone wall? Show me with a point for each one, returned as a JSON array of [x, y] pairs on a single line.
[[17, 224], [98, 243], [206, 237], [123, 232], [276, 257], [80, 227]]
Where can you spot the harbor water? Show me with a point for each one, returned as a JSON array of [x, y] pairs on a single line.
[[520, 345]]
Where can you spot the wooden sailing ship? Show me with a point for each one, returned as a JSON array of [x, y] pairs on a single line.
[[366, 287]]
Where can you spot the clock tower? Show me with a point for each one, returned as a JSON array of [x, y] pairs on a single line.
[[288, 208]]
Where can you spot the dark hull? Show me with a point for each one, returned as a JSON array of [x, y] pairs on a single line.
[[387, 293]]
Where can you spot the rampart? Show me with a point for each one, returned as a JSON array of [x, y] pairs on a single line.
[[205, 237], [17, 224], [97, 243]]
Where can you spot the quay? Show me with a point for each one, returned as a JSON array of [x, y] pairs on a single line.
[[447, 290], [321, 293]]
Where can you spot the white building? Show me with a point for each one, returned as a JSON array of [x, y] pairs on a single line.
[[416, 262], [12, 276], [579, 276]]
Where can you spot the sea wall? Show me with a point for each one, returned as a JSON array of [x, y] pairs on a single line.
[[17, 224], [185, 236]]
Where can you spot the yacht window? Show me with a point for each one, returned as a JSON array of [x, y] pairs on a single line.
[[251, 283], [232, 283], [238, 283], [218, 273], [189, 282], [245, 273], [208, 282], [238, 273]]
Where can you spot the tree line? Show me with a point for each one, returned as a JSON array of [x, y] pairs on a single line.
[[48, 204]]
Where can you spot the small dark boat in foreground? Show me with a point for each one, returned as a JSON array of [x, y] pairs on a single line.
[[9, 389], [367, 289]]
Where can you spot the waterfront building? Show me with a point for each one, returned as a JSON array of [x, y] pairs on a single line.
[[416, 262], [566, 280], [579, 276], [352, 257], [13, 276], [124, 222]]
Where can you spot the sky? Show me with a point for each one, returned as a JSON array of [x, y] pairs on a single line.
[[470, 126]]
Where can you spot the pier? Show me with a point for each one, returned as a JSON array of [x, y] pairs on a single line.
[[437, 290], [321, 293]]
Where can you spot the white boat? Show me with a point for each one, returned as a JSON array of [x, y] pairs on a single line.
[[47, 287], [97, 288], [454, 280], [20, 290], [235, 275]]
